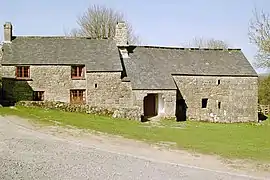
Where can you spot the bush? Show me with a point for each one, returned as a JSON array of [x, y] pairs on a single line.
[[264, 91]]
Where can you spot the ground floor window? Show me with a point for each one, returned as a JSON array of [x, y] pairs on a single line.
[[204, 103], [77, 96], [38, 95]]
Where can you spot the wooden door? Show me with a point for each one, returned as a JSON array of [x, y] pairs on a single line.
[[150, 105]]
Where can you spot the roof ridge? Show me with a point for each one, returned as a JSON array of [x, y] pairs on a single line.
[[59, 37], [189, 48]]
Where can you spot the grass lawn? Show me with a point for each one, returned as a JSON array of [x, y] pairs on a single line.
[[245, 141]]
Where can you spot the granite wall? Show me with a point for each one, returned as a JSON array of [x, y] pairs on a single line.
[[167, 96], [55, 81], [101, 88], [230, 99], [106, 88]]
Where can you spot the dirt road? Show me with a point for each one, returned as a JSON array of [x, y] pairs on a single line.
[[33, 152]]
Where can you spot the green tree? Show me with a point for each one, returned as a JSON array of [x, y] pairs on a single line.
[[264, 90], [1, 52], [259, 35]]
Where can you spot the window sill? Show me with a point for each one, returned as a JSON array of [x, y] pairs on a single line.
[[78, 78], [78, 103], [23, 79]]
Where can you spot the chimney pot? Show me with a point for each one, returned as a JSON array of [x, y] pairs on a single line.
[[7, 32]]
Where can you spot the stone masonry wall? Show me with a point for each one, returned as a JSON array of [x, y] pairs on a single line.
[[102, 88], [169, 97], [132, 113], [238, 97], [106, 88], [54, 80]]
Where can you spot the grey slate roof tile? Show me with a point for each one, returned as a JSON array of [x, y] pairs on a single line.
[[96, 54], [152, 67], [147, 68]]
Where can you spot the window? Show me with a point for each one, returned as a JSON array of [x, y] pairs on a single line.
[[218, 82], [38, 96], [23, 72], [219, 105], [77, 72], [77, 96], [204, 103], [95, 85]]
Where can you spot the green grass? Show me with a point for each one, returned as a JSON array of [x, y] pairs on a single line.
[[245, 141]]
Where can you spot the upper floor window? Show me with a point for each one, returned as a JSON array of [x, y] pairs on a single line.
[[23, 71], [77, 72]]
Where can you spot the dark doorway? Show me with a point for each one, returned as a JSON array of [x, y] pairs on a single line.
[[181, 110], [181, 107], [262, 117], [150, 105]]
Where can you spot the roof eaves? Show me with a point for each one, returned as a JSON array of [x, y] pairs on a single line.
[[95, 71], [217, 75], [187, 48], [59, 37], [156, 89]]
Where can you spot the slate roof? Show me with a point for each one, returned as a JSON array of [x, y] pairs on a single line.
[[152, 67], [96, 54], [149, 67]]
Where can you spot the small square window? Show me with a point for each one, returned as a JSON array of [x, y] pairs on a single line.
[[22, 72], [38, 95], [219, 105], [218, 82], [204, 103], [77, 72]]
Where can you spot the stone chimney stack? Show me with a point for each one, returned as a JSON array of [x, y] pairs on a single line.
[[121, 34], [7, 32]]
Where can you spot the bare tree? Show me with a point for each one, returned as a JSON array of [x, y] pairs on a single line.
[[259, 34], [1, 51], [209, 43], [100, 22]]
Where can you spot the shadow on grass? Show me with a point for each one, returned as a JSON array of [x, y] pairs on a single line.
[[262, 117]]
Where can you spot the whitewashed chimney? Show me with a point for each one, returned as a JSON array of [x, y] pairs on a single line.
[[121, 34], [121, 38], [7, 32]]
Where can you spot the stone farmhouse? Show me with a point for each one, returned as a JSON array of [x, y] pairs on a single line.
[[187, 83]]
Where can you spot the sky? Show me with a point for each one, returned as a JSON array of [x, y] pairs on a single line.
[[156, 22]]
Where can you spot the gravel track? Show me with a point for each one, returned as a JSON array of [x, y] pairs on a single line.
[[31, 154]]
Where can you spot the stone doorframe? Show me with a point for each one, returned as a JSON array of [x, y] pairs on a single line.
[[168, 97]]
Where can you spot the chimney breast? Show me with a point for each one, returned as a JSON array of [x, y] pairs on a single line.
[[7, 32], [121, 34]]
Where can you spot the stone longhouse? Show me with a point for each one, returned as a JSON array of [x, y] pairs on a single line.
[[202, 84]]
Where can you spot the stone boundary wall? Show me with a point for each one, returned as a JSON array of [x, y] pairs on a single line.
[[133, 113]]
